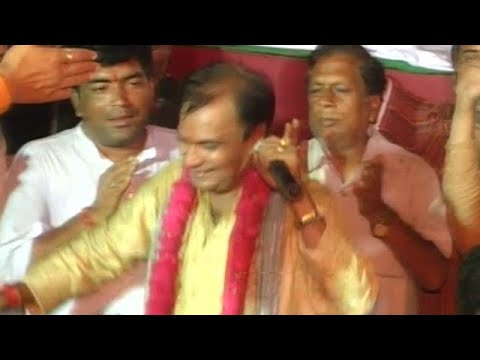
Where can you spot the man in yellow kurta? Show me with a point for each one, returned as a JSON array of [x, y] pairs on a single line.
[[218, 241]]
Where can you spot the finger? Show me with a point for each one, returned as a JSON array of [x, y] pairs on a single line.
[[269, 142], [72, 55], [122, 170], [303, 156], [79, 68], [122, 166], [255, 159], [295, 135], [287, 133], [120, 176], [126, 162], [276, 152], [131, 164], [268, 147], [120, 183], [125, 178], [75, 80], [57, 95], [262, 166]]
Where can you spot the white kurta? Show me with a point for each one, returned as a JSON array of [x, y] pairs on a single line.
[[53, 179]]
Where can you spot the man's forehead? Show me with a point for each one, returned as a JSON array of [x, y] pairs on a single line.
[[336, 65], [118, 71], [202, 132], [219, 116]]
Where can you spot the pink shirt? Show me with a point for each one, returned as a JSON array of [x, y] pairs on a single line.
[[411, 188]]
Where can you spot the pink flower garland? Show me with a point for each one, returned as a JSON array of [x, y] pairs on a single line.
[[250, 210]]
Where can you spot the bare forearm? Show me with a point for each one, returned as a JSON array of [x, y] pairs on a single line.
[[421, 258], [461, 187], [463, 121], [464, 237]]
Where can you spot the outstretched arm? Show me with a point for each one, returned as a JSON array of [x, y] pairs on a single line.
[[38, 74], [461, 181], [100, 254]]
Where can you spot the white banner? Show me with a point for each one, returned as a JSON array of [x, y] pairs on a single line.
[[434, 57]]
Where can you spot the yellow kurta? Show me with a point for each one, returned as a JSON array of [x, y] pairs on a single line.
[[202, 274], [330, 279]]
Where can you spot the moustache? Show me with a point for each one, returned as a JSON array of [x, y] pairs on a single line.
[[121, 113]]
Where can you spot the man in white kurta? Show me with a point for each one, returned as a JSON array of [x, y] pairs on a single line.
[[53, 179]]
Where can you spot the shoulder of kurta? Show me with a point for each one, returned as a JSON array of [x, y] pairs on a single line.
[[165, 178]]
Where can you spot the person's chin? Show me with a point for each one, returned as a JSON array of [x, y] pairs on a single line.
[[330, 136], [124, 132], [202, 185], [123, 138]]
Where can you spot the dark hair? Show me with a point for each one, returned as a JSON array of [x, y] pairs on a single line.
[[109, 55], [167, 88], [468, 296], [253, 94], [371, 70], [455, 52]]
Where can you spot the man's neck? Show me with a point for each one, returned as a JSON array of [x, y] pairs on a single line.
[[224, 204], [119, 154], [116, 154], [348, 160]]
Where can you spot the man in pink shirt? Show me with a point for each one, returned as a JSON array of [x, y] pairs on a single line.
[[389, 197]]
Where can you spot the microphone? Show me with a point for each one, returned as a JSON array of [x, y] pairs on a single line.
[[287, 185]]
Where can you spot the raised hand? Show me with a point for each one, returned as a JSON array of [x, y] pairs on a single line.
[[39, 74]]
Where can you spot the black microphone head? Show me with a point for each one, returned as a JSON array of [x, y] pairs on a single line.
[[287, 185]]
